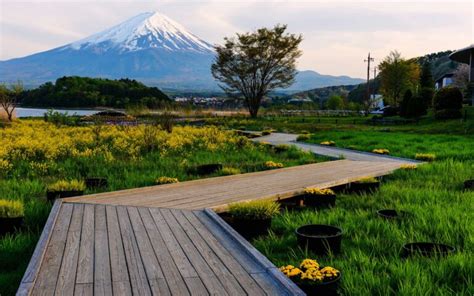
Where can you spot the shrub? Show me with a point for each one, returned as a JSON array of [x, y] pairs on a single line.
[[253, 210], [368, 180], [282, 147], [318, 191], [412, 106], [11, 208], [390, 111], [166, 180], [381, 151], [230, 171], [447, 103], [408, 167], [64, 185], [328, 143], [425, 156], [273, 165], [304, 137], [427, 94]]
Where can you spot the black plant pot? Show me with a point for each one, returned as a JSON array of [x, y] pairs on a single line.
[[320, 239], [469, 184], [96, 183], [364, 187], [426, 249], [391, 214], [207, 169], [52, 195], [320, 201], [324, 289], [291, 204], [248, 228], [9, 225]]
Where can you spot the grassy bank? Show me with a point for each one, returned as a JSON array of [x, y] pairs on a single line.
[[34, 154]]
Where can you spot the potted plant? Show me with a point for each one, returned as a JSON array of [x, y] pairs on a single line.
[[95, 182], [281, 148], [321, 239], [328, 143], [314, 279], [292, 203], [425, 156], [207, 169], [273, 165], [369, 184], [64, 188], [253, 218], [166, 180], [11, 215], [469, 184], [426, 249], [391, 214], [381, 151], [319, 198]]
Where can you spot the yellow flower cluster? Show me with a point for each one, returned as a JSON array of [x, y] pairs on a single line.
[[381, 151], [310, 271], [291, 271], [5, 166], [64, 185], [318, 191], [425, 156], [166, 180], [273, 165], [408, 167], [33, 140], [11, 208], [328, 143]]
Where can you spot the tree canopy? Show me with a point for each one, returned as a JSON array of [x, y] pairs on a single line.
[[250, 65], [80, 92]]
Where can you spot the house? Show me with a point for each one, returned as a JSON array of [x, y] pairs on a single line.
[[443, 81]]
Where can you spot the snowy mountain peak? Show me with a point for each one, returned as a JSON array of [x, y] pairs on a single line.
[[144, 31]]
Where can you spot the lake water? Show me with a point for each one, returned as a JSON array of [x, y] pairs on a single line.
[[37, 112]]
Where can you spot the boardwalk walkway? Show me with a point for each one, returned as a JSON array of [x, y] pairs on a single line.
[[166, 240]]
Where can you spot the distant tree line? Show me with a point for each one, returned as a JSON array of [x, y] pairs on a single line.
[[80, 92]]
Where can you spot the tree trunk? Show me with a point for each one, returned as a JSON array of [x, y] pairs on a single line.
[[253, 105]]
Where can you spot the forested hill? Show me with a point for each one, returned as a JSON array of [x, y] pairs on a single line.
[[80, 92]]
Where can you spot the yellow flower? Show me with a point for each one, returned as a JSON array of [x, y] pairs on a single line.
[[272, 165], [328, 143], [309, 263], [408, 167], [381, 151], [166, 180], [318, 191]]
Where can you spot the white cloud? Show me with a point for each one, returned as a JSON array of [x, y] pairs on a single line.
[[338, 34]]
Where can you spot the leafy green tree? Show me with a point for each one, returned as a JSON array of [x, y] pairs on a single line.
[[251, 65], [335, 102], [447, 103], [426, 85], [397, 75]]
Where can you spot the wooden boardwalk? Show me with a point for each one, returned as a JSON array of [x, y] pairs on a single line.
[[88, 249], [217, 193]]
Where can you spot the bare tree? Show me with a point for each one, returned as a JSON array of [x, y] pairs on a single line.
[[9, 98], [461, 76], [253, 64]]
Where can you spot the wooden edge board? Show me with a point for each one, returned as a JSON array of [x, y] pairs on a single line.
[[255, 254], [36, 260]]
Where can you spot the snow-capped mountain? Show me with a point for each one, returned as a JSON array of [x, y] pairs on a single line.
[[149, 47]]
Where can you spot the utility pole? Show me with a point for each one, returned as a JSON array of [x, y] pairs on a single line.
[[375, 75], [368, 60]]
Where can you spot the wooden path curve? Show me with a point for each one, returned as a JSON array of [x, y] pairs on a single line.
[[168, 240]]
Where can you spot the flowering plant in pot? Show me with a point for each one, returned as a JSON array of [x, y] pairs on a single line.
[[65, 188], [11, 215], [312, 278], [328, 143], [273, 165], [166, 180], [381, 151], [253, 218], [368, 184], [316, 197]]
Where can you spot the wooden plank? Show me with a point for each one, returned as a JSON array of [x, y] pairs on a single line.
[[48, 274], [217, 265], [155, 275], [174, 279], [32, 270], [203, 270], [67, 273], [85, 266], [118, 264], [136, 270], [84, 289], [102, 274]]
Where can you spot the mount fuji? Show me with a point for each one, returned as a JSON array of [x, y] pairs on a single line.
[[149, 47]]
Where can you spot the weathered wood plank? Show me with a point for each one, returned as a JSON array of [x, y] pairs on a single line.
[[67, 273], [102, 275], [84, 289], [85, 266], [138, 278], [32, 270], [174, 279], [48, 274], [203, 270], [155, 275], [118, 264]]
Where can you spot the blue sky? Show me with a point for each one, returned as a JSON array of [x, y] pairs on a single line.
[[337, 34]]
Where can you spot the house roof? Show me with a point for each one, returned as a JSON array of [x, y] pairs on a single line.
[[463, 55], [444, 76]]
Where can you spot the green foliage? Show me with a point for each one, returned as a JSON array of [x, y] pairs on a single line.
[[303, 137], [412, 106], [335, 102], [368, 180], [59, 118], [425, 156], [253, 64], [11, 208], [447, 103], [75, 92], [426, 78], [65, 185], [253, 210]]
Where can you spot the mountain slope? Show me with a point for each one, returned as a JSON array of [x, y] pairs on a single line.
[[149, 47]]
